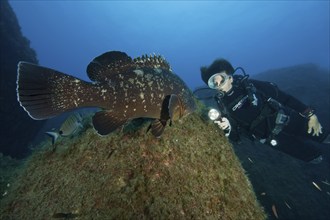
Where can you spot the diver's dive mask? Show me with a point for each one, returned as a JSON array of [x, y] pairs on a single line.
[[218, 80]]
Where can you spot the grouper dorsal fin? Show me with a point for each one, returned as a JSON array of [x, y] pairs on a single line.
[[152, 61], [107, 64]]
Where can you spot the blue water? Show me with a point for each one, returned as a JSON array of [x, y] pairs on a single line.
[[258, 35]]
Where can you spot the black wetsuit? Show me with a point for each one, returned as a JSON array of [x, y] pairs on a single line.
[[250, 112]]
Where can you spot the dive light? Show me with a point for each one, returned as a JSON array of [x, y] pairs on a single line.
[[214, 114]]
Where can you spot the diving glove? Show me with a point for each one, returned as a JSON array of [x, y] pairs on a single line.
[[314, 126], [224, 124]]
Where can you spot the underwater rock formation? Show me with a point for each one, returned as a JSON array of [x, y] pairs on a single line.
[[15, 122], [189, 173]]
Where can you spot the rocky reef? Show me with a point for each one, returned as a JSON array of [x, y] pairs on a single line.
[[14, 48], [191, 172]]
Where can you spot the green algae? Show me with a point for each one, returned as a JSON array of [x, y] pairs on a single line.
[[189, 173]]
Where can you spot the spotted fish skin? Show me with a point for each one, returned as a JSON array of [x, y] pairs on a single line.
[[125, 88]]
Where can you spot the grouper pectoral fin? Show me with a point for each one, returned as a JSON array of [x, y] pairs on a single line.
[[157, 127], [174, 107], [106, 122]]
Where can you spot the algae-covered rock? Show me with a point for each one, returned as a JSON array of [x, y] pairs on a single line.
[[191, 172]]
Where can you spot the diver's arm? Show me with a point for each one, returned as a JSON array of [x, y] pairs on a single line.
[[314, 126], [230, 129], [234, 136], [271, 90], [294, 103]]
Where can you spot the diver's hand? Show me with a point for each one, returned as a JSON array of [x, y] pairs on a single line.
[[314, 125], [223, 123]]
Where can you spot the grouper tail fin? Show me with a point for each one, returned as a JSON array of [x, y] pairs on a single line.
[[45, 93]]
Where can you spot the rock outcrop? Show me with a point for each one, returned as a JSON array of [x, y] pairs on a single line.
[[191, 172], [17, 128]]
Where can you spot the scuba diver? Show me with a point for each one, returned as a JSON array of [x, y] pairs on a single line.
[[262, 112]]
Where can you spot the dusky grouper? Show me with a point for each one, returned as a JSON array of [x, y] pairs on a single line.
[[125, 89]]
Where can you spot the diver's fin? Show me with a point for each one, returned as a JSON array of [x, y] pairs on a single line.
[[45, 93], [174, 107], [109, 63], [106, 122], [53, 135], [152, 61], [157, 127]]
